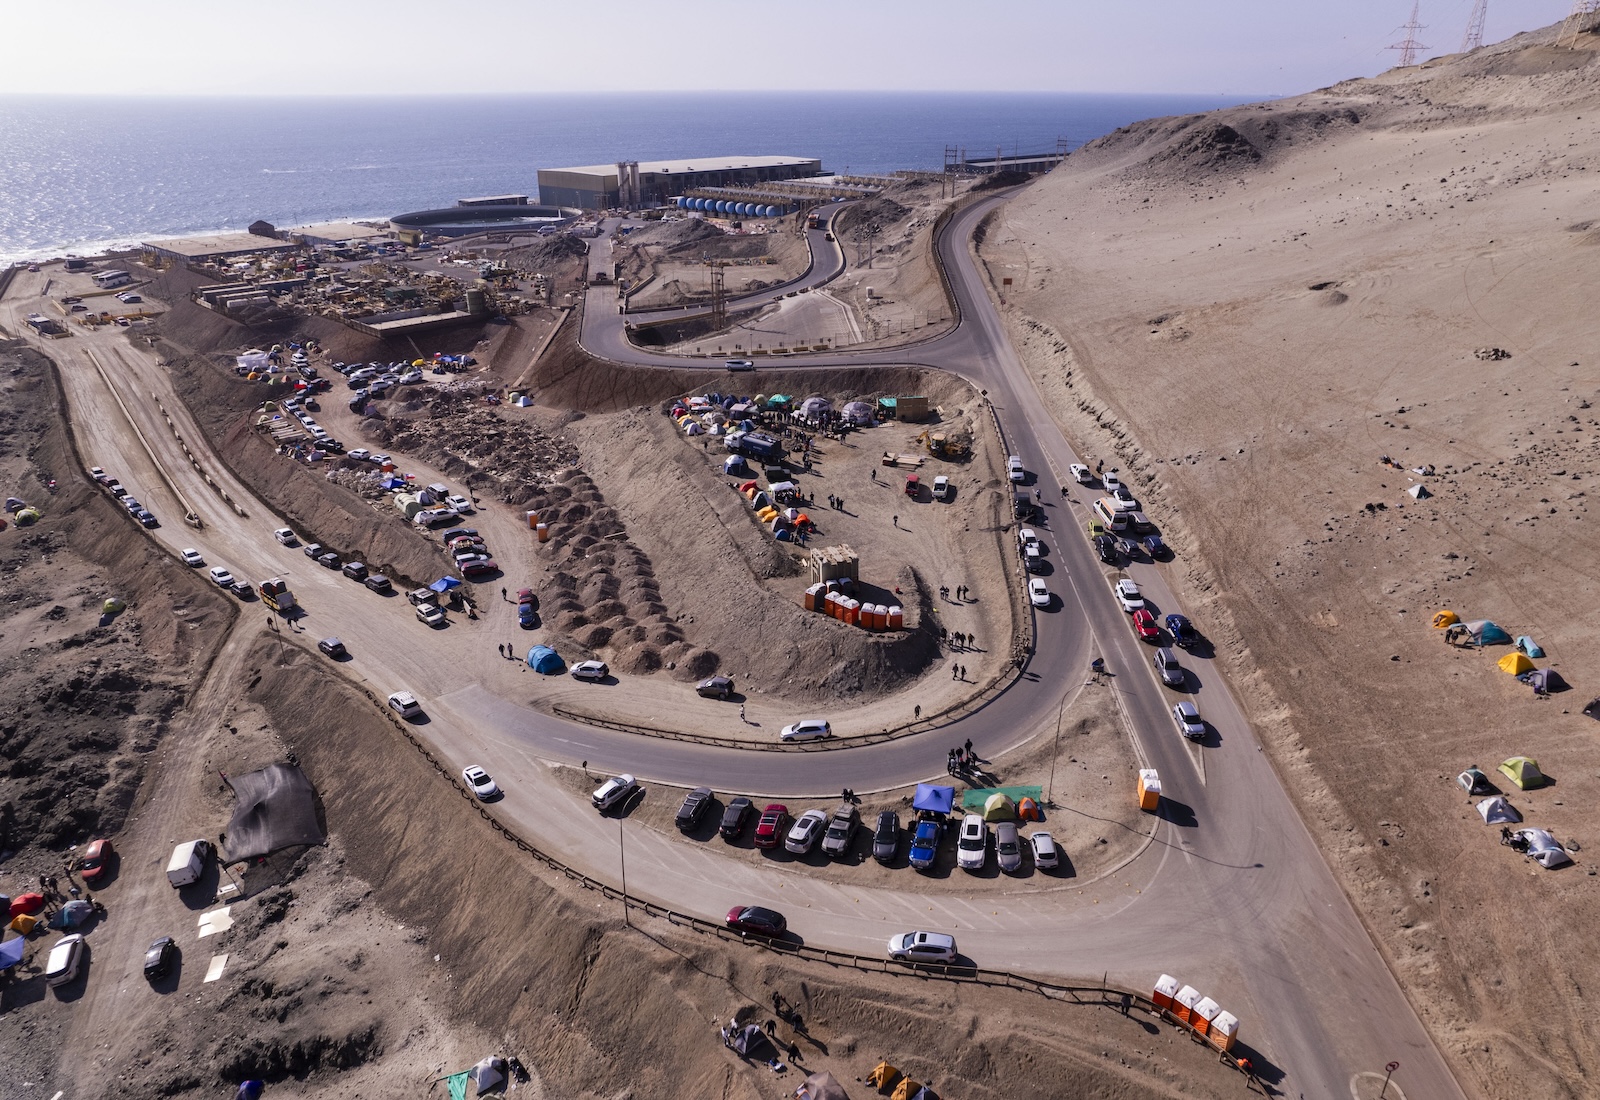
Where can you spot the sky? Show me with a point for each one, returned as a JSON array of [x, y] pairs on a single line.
[[399, 47]]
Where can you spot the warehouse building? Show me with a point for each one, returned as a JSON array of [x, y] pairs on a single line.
[[630, 184], [216, 246]]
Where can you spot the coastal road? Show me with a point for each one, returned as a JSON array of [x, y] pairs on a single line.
[[1231, 895]]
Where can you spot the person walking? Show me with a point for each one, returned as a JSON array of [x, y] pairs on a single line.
[[968, 747], [501, 649], [897, 521], [741, 712], [504, 597], [916, 712], [963, 673], [874, 473], [955, 670]]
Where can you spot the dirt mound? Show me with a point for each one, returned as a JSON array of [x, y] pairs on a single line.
[[671, 235], [879, 211], [552, 252]]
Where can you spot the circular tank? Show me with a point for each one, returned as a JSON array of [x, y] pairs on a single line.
[[680, 202]]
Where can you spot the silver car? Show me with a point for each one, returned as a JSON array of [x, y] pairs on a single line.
[[1188, 718], [1008, 847], [803, 835], [1167, 666]]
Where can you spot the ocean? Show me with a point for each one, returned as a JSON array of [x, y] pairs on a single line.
[[80, 174]]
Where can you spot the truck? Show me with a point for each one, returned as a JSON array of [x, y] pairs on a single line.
[[756, 445], [276, 595], [188, 863]]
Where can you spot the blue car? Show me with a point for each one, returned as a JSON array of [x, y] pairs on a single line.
[[1154, 546], [1182, 631], [525, 615], [924, 843]]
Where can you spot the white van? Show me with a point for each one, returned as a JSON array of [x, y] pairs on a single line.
[[1105, 509], [188, 862]]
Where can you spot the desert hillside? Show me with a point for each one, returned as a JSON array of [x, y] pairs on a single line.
[[1251, 310]]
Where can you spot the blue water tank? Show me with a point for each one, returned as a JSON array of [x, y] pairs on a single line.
[[769, 211], [722, 206], [747, 210], [701, 204], [739, 208], [682, 202]]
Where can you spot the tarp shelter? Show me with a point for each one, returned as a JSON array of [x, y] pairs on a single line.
[[974, 799], [541, 658], [1484, 632], [883, 1075], [934, 799], [1545, 680], [1543, 847], [1497, 811], [1516, 663], [858, 412], [779, 401], [276, 808], [1444, 619], [488, 1074], [997, 807], [1529, 646], [253, 360], [444, 584], [821, 1086], [70, 915], [11, 952], [1524, 772]]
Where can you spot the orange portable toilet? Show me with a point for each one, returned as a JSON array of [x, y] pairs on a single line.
[[1224, 1030], [533, 520], [832, 605], [1166, 986], [542, 531], [1183, 1003], [1205, 1010], [897, 618], [1149, 789], [811, 597], [852, 611], [880, 616]]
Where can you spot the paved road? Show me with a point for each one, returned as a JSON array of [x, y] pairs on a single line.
[[1230, 895]]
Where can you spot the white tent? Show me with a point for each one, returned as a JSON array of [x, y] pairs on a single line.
[[1419, 492], [858, 412], [1543, 847], [815, 407], [487, 1074], [1497, 811]]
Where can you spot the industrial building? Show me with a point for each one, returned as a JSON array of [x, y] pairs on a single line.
[[631, 184], [216, 246], [330, 233]]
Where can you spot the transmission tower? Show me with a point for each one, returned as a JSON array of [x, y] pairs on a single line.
[[1474, 36], [1409, 47], [1577, 22]]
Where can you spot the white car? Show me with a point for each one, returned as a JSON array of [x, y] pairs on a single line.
[[430, 614], [922, 947], [1081, 473], [590, 670], [458, 504], [405, 704], [286, 536], [1110, 480], [1045, 854], [480, 782], [220, 576], [191, 557], [804, 832], [411, 378], [806, 730], [1187, 715], [360, 454], [379, 460], [972, 849], [1038, 594], [1027, 537], [613, 791], [1128, 595], [740, 364], [65, 958], [1014, 469]]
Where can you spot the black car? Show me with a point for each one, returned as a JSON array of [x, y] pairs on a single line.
[[333, 647], [1106, 547], [458, 533], [243, 590], [735, 817], [694, 808], [158, 958], [329, 560], [886, 836], [717, 687], [355, 570], [377, 582]]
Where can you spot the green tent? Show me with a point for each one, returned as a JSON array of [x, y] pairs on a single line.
[[1524, 772], [998, 807]]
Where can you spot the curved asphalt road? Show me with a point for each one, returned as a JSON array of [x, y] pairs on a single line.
[[1231, 895]]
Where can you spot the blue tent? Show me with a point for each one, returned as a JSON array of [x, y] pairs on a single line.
[[394, 483], [444, 584], [1529, 646], [937, 799], [11, 952], [541, 658]]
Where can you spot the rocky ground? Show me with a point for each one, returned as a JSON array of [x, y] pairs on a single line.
[[672, 255]]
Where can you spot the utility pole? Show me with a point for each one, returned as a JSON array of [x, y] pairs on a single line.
[[1474, 36], [1409, 47], [1054, 753], [622, 857], [1576, 23]]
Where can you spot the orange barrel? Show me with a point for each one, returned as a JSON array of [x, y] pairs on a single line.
[[1149, 789], [1224, 1030], [1204, 1012], [896, 618], [533, 519], [1166, 986], [542, 531], [1183, 1003]]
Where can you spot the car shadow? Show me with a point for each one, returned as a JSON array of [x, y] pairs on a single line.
[[710, 821], [1200, 649], [626, 807], [75, 989], [1212, 739], [1174, 812]]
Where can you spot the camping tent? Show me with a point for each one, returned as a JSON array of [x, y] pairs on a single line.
[[934, 799], [1473, 781], [1484, 632], [1543, 847], [1523, 772], [26, 904], [11, 952], [1444, 619], [488, 1073], [541, 658], [999, 807], [883, 1075], [1497, 811], [1544, 681], [1028, 810], [1419, 492], [1516, 663], [821, 1086], [71, 915], [858, 413], [1529, 646], [815, 407], [906, 1089], [250, 1090]]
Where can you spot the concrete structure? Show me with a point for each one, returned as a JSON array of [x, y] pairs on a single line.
[[469, 218], [217, 245], [652, 182], [334, 233], [1029, 163], [495, 200]]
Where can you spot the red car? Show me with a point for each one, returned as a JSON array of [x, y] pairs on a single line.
[[756, 921], [769, 830], [95, 862], [1145, 624], [479, 568]]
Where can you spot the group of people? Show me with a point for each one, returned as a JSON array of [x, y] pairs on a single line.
[[961, 758]]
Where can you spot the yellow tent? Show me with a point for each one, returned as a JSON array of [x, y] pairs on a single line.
[[882, 1076], [997, 807], [906, 1089], [1444, 619], [1516, 663], [1523, 771]]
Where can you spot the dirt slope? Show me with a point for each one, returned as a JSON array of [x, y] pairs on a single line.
[[1251, 309]]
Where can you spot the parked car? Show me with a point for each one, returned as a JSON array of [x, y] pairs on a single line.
[[1128, 595], [693, 810], [333, 647], [1144, 624], [146, 518], [220, 576], [191, 557], [65, 958], [805, 831], [1008, 847], [1187, 715], [841, 830], [330, 560], [430, 614], [355, 570], [459, 532], [159, 957], [755, 920], [715, 687], [769, 830], [922, 947], [886, 837], [405, 704], [1167, 667], [527, 617], [479, 569], [1154, 547], [972, 847], [924, 844], [379, 583], [806, 729], [614, 791], [1110, 480], [96, 861], [360, 454], [1038, 593], [1014, 469], [1105, 547], [460, 505], [313, 550], [1045, 855], [593, 671], [482, 785], [1182, 631], [734, 817], [1081, 473]]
